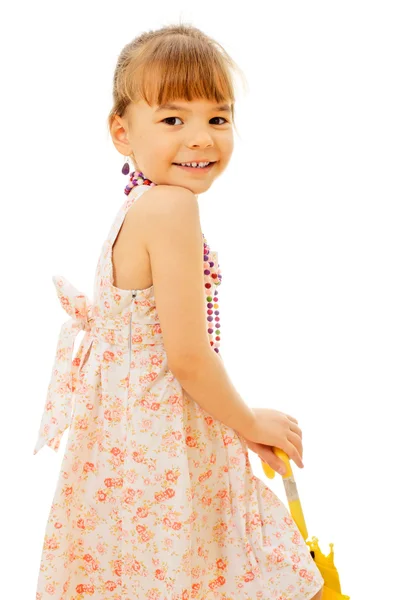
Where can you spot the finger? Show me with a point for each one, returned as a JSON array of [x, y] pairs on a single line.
[[268, 456], [296, 429], [293, 453], [297, 442], [292, 419]]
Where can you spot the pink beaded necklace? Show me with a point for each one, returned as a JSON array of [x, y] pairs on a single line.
[[212, 272]]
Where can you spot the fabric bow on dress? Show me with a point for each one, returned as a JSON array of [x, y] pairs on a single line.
[[58, 408]]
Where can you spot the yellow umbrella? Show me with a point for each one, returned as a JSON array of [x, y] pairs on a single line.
[[325, 564]]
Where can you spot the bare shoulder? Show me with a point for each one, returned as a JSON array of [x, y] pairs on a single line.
[[158, 206], [165, 209], [167, 199]]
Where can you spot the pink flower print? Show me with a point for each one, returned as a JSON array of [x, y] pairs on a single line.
[[191, 442], [101, 495], [296, 538], [150, 377], [65, 302], [117, 567], [110, 586], [221, 564], [108, 356], [217, 582], [109, 336], [205, 476], [88, 558], [144, 533], [159, 574], [277, 556], [115, 451], [50, 589], [82, 423], [170, 476], [138, 457], [155, 360], [174, 399]]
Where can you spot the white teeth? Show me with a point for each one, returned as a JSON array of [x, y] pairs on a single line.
[[194, 164]]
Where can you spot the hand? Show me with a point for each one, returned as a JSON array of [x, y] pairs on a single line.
[[273, 428], [268, 456]]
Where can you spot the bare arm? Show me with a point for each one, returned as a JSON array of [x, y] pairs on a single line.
[[173, 238]]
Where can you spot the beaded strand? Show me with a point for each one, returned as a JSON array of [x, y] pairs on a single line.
[[212, 272], [213, 278], [137, 178]]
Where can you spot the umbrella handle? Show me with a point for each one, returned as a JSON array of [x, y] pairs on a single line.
[[269, 472], [292, 494]]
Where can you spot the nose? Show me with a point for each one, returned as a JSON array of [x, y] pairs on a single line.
[[201, 139]]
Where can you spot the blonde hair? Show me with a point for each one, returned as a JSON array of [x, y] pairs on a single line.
[[174, 62]]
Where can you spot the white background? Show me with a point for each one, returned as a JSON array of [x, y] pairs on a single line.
[[306, 220]]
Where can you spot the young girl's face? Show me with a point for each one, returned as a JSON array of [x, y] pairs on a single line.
[[159, 137]]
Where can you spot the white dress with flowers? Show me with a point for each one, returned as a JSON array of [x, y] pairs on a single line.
[[156, 499]]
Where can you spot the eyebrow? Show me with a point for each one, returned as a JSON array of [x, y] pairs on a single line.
[[170, 106]]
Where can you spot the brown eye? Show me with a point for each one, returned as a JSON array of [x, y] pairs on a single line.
[[226, 121], [169, 119]]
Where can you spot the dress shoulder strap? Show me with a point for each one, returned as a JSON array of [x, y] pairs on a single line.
[[135, 193]]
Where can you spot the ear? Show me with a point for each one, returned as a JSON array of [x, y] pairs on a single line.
[[119, 135]]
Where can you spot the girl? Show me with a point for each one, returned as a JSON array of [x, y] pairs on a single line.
[[156, 499]]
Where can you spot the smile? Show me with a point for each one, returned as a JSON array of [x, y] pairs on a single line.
[[196, 169]]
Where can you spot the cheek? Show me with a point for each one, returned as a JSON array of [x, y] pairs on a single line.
[[226, 150], [227, 143], [163, 151]]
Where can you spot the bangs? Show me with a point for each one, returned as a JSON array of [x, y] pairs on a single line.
[[181, 68]]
